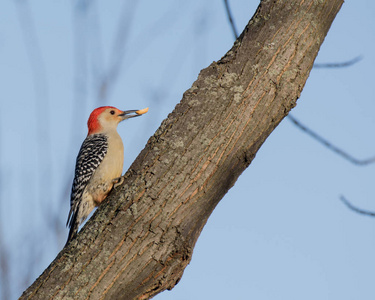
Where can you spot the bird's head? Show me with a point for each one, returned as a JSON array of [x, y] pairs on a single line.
[[107, 118]]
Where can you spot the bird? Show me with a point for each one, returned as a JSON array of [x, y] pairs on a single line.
[[98, 165]]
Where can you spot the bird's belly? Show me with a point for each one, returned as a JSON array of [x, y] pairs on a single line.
[[110, 168]]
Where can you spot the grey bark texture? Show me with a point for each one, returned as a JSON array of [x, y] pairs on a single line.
[[140, 240]]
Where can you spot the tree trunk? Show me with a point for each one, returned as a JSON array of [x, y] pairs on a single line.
[[140, 240]]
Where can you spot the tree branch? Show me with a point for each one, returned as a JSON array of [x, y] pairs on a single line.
[[343, 64], [356, 209], [230, 19], [140, 240], [330, 146]]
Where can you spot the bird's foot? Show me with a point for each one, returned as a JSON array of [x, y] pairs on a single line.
[[118, 181]]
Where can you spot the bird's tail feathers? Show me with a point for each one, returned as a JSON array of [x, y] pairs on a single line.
[[73, 224]]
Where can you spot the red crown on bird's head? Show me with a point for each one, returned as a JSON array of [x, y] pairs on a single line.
[[93, 123]]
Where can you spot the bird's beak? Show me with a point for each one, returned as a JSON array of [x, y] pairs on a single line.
[[127, 114]]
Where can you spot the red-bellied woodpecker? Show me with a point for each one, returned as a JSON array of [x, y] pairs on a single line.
[[99, 163]]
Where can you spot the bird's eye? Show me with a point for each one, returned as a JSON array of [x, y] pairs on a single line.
[[112, 112]]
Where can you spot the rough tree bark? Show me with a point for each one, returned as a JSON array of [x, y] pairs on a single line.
[[140, 240]]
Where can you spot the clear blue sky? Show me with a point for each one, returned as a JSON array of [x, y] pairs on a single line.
[[280, 233]]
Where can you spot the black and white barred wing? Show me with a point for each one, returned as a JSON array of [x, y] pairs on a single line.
[[91, 154]]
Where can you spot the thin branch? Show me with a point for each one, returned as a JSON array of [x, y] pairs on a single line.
[[80, 54], [109, 75], [96, 51], [356, 209], [118, 50], [329, 145], [339, 64], [231, 22]]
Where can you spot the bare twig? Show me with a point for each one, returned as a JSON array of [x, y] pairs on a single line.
[[118, 50], [356, 209], [329, 145], [97, 51], [231, 22], [81, 49], [339, 64]]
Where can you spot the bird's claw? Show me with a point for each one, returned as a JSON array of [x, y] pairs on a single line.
[[117, 181]]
